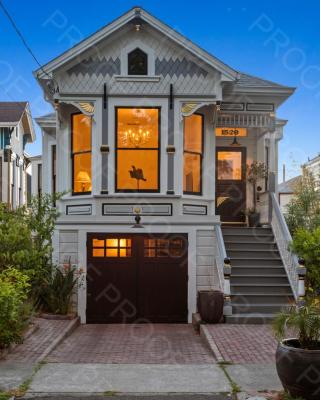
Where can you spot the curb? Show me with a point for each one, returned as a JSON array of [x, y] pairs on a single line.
[[208, 339], [73, 324]]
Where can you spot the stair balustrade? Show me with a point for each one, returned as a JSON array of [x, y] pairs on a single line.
[[294, 267], [224, 270]]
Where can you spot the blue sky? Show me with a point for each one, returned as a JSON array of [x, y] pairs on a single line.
[[275, 40]]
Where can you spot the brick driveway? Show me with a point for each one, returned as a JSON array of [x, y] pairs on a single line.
[[244, 344], [133, 344]]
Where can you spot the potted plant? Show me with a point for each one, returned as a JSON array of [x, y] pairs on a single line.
[[210, 306], [298, 359], [255, 171]]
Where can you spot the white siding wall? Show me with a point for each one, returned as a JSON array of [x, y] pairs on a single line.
[[207, 276]]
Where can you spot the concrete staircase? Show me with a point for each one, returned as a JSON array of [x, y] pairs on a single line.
[[259, 284]]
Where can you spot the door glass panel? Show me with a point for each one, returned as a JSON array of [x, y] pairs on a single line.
[[163, 247], [112, 253], [229, 165]]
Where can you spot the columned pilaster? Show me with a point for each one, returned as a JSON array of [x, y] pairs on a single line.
[[170, 147], [104, 146]]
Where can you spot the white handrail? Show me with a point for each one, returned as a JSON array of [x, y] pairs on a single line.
[[284, 239], [221, 254]]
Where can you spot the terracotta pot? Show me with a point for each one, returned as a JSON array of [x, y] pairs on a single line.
[[299, 369], [210, 306]]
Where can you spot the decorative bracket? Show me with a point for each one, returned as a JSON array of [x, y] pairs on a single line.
[[188, 109]]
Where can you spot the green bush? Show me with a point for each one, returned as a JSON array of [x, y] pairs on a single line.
[[14, 311], [307, 245], [303, 211], [57, 290]]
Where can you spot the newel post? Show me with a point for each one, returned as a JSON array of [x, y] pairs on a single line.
[[227, 308], [301, 286]]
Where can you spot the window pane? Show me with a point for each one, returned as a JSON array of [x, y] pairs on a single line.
[[112, 242], [193, 133], [229, 165], [98, 252], [112, 252], [192, 173], [82, 173], [137, 170], [81, 133], [97, 243], [137, 62], [138, 127], [125, 252]]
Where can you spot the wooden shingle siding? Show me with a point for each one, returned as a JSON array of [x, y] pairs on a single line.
[[206, 270], [172, 63]]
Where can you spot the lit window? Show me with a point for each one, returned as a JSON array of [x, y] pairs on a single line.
[[81, 154], [112, 247], [193, 149], [137, 63], [137, 154]]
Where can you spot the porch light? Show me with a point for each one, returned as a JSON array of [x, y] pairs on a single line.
[[235, 142], [137, 218]]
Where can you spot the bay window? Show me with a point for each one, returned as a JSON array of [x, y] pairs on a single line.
[[192, 155], [81, 153], [137, 149]]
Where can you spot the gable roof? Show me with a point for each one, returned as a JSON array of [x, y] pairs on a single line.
[[11, 111], [289, 186], [136, 12]]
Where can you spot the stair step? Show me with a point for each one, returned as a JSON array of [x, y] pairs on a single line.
[[261, 298], [254, 318], [258, 308], [246, 231], [245, 261], [257, 269], [253, 253], [248, 237], [262, 288], [259, 279], [254, 245]]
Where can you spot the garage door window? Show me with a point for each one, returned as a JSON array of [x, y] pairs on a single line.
[[112, 247], [163, 247]]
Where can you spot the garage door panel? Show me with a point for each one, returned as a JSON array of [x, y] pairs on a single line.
[[137, 276]]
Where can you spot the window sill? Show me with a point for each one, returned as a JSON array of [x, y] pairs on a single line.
[[137, 78]]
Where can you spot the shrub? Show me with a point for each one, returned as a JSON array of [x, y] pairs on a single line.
[[303, 211], [57, 289], [307, 245], [14, 311]]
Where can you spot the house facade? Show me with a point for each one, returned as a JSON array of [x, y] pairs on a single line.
[[149, 142], [16, 130]]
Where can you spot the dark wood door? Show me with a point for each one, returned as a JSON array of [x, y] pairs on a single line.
[[137, 278], [231, 183]]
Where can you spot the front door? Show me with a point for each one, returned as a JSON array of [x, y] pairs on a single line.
[[137, 278], [231, 184]]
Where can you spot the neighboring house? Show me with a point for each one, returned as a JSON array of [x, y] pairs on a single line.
[[313, 165], [147, 124], [286, 191], [16, 130]]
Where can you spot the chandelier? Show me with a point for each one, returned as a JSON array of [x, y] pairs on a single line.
[[137, 136]]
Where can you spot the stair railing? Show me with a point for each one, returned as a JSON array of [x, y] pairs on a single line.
[[224, 270], [294, 267]]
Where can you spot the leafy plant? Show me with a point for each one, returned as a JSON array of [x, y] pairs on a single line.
[[57, 289], [303, 211], [255, 171], [14, 310], [304, 320], [306, 244]]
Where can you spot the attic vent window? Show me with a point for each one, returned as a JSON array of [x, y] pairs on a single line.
[[137, 62]]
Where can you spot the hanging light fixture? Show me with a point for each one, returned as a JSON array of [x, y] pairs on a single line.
[[137, 136], [235, 142]]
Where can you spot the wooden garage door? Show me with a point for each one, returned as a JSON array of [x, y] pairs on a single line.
[[137, 278]]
